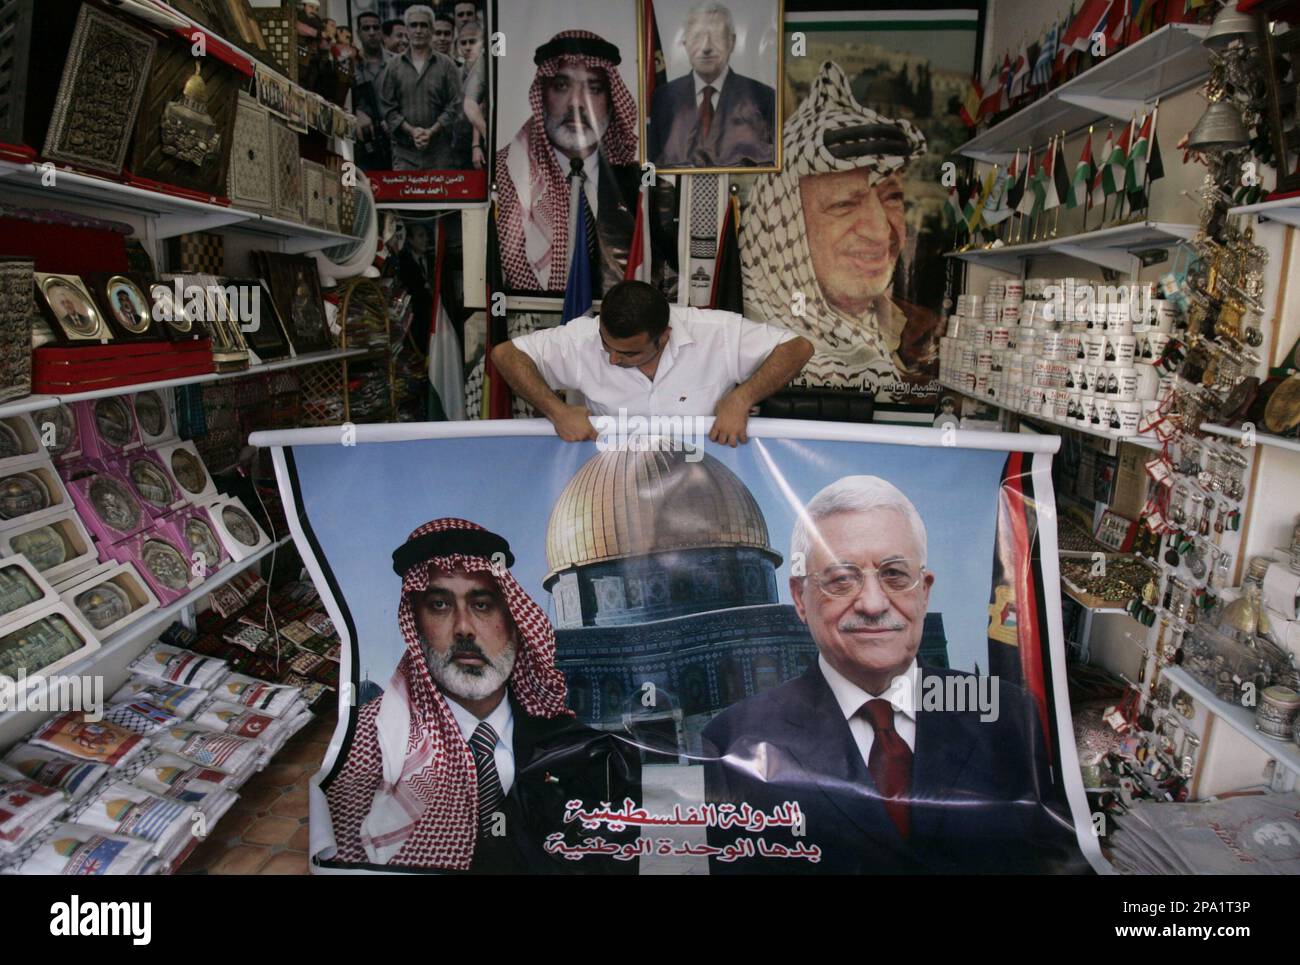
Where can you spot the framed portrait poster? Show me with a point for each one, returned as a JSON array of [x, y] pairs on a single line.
[[68, 304], [870, 114], [422, 104], [568, 99], [715, 106]]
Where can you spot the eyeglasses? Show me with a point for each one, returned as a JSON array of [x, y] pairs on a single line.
[[847, 579]]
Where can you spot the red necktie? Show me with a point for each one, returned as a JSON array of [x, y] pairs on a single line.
[[706, 111], [890, 763]]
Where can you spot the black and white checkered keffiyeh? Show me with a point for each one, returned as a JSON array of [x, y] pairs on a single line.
[[775, 258]]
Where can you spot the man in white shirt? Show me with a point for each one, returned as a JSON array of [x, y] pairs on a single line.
[[886, 785], [645, 357]]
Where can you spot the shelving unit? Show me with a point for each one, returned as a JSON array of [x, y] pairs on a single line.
[[1111, 247], [144, 630], [1283, 210], [1134, 440], [1240, 719], [1261, 438], [34, 402], [169, 215], [1160, 64]]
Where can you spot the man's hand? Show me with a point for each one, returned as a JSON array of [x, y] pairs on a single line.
[[364, 125], [420, 137], [573, 424], [730, 420]]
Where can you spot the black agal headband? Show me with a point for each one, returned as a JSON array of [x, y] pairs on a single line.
[[577, 47], [867, 140], [464, 542]]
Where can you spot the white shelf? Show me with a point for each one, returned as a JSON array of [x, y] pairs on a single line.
[[1132, 440], [1261, 438], [1160, 64], [1110, 247], [172, 215], [34, 402], [1066, 591], [144, 630], [1240, 719], [1283, 210]]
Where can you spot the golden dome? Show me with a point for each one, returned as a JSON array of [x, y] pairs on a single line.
[[626, 504]]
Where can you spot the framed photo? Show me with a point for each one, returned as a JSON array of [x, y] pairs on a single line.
[[265, 333], [569, 95], [67, 303], [869, 117], [124, 306], [295, 291], [1281, 44], [111, 600], [716, 105], [182, 319], [416, 139]]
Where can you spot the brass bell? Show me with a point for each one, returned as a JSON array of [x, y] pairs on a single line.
[[1231, 24], [1219, 129]]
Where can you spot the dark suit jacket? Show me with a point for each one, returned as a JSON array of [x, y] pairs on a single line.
[[743, 132], [557, 760], [978, 789]]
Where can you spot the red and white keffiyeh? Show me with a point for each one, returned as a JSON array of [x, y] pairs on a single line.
[[531, 187], [407, 793]]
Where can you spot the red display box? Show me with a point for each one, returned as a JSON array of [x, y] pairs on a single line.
[[90, 367]]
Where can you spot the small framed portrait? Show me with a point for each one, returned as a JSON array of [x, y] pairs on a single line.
[[263, 329], [181, 315], [714, 107], [295, 288], [124, 305], [68, 305]]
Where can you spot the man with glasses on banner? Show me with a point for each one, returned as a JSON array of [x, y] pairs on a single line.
[[645, 357], [896, 767]]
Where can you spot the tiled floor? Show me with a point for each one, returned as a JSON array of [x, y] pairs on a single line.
[[265, 833]]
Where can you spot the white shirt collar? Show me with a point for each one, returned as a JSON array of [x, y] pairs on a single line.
[[716, 83], [501, 719], [901, 693]]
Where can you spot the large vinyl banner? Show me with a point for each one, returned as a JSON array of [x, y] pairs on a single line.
[[834, 649]]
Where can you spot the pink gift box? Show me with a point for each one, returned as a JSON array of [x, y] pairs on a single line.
[[183, 523], [108, 506], [162, 561]]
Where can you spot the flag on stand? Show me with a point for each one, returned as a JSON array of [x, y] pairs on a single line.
[[728, 291], [1060, 173], [977, 208], [1150, 169], [497, 398], [996, 206], [1020, 73], [970, 105], [1136, 166], [1046, 58], [1028, 189], [1050, 198], [1116, 165], [446, 359], [1099, 192], [994, 92], [1090, 19], [971, 195], [952, 212], [1063, 53], [1081, 183], [638, 254], [1015, 182]]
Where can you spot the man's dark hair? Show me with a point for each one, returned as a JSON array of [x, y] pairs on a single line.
[[389, 26], [633, 307], [445, 17], [369, 15]]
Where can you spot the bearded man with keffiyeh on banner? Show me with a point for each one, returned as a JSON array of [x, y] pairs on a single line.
[[583, 124], [468, 760], [820, 242]]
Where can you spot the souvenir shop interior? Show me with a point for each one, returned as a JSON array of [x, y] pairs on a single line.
[[220, 218]]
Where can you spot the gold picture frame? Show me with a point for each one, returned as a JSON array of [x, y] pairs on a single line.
[[69, 304]]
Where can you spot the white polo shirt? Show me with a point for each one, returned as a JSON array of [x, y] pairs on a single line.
[[708, 354]]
